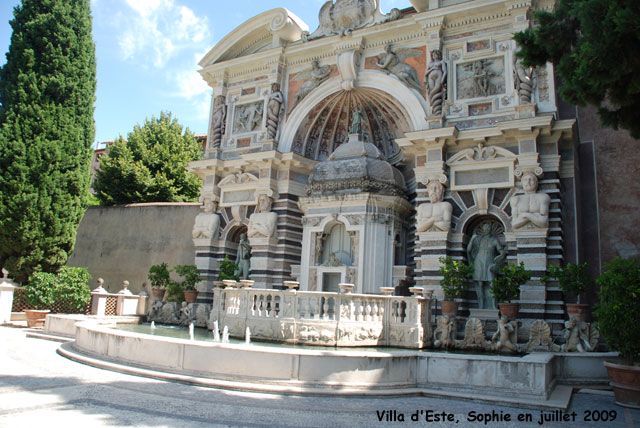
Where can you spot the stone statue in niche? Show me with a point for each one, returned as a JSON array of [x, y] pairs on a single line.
[[218, 121], [524, 79], [316, 77], [248, 117], [356, 121], [207, 222], [320, 237], [436, 215], [243, 257], [504, 339], [262, 224], [391, 63], [436, 80], [487, 255], [530, 210], [275, 107], [332, 261]]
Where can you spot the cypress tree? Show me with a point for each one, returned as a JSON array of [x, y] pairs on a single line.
[[47, 92]]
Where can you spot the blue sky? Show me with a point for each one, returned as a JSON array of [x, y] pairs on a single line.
[[147, 53]]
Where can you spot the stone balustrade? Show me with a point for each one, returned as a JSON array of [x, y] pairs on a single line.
[[323, 318], [122, 303]]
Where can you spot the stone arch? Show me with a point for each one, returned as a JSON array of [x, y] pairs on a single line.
[[407, 104], [470, 216]]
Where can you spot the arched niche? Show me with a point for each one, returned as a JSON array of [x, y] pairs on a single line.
[[399, 108]]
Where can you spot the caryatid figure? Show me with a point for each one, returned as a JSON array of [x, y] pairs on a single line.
[[275, 107], [436, 80], [207, 222], [218, 120], [434, 215], [530, 210], [262, 223]]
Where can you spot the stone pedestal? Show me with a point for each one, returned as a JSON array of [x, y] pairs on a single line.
[[262, 265], [531, 248], [6, 300], [208, 265], [430, 247]]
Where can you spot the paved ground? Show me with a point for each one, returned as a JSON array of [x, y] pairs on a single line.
[[39, 386]]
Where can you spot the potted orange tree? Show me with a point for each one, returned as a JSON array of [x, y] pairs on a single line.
[[618, 319], [572, 280], [191, 276], [159, 278], [454, 274], [505, 287]]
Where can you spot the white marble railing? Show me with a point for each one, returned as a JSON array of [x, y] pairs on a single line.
[[319, 318]]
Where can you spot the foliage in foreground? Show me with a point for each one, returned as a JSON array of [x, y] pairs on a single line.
[[67, 291], [454, 274], [595, 47], [150, 165], [618, 307], [505, 287]]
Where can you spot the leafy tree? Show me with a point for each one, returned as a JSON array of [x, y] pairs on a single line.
[[47, 91], [595, 46], [150, 165]]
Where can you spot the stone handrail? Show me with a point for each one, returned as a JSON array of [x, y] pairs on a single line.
[[323, 318], [126, 303]]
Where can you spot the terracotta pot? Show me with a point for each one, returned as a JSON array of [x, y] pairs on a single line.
[[625, 381], [157, 293], [190, 296], [36, 317], [509, 309], [579, 311], [449, 307]]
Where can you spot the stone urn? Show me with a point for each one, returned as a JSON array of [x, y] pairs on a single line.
[[346, 287], [190, 296], [579, 311], [230, 283], [36, 317], [246, 283], [292, 285], [510, 310], [387, 291]]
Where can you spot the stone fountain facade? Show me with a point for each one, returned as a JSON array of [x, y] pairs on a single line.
[[365, 150]]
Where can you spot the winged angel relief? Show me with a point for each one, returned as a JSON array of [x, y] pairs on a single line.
[[313, 78], [344, 16]]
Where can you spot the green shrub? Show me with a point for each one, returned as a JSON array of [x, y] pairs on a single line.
[[174, 292], [506, 285], [159, 275], [67, 291], [227, 270], [618, 309], [454, 274], [571, 278], [191, 276]]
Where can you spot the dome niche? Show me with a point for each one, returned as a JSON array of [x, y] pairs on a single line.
[[326, 126]]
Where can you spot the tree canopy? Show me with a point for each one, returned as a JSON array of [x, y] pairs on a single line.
[[47, 92], [150, 165], [595, 47]]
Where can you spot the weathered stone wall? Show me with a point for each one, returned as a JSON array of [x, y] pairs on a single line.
[[122, 242], [611, 157]]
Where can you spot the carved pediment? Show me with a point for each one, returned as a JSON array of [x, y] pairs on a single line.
[[482, 167], [238, 178], [344, 16], [481, 153]]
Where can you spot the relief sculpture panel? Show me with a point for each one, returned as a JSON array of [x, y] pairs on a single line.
[[480, 78]]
